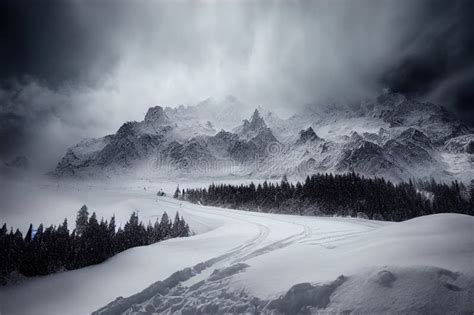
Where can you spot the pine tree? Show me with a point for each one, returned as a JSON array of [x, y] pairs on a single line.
[[176, 227], [111, 236], [165, 227], [177, 193], [120, 243], [156, 231], [82, 220], [131, 231], [91, 239], [63, 243], [3, 253], [29, 234], [105, 247], [16, 250], [185, 231], [150, 236], [39, 256]]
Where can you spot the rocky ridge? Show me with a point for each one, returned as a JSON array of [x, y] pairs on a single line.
[[388, 136]]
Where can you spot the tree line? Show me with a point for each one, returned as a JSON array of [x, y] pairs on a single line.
[[345, 194], [55, 248]]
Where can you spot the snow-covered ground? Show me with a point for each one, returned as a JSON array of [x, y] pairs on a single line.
[[244, 261]]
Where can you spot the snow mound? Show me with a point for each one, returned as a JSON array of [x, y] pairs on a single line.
[[170, 296], [405, 290], [385, 290], [219, 274], [304, 296], [385, 278]]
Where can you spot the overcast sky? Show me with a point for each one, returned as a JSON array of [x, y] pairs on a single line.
[[72, 69]]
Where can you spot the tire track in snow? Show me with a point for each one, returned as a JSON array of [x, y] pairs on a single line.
[[243, 252], [333, 238], [278, 244], [240, 250], [304, 237], [249, 250]]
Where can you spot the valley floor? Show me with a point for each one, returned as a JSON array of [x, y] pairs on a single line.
[[247, 262]]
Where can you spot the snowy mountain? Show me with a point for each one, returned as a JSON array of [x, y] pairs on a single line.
[[388, 136]]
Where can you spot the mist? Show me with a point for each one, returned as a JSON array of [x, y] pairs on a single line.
[[75, 69]]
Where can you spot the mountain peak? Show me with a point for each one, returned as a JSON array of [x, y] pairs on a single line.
[[308, 135], [251, 128], [156, 116], [257, 121]]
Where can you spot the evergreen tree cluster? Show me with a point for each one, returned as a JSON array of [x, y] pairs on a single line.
[[48, 250], [347, 194]]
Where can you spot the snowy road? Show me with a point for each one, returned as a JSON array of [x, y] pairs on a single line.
[[255, 258]]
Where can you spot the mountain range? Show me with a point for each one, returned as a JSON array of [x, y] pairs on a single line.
[[391, 136]]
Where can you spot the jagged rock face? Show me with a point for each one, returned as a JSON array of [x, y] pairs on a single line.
[[397, 158], [156, 116], [367, 158], [308, 135], [125, 151], [373, 137], [252, 128], [470, 147], [461, 144], [262, 140], [173, 151], [196, 151], [243, 151], [69, 164], [434, 120], [80, 157], [256, 122], [417, 137], [389, 136], [121, 150], [408, 153], [223, 141]]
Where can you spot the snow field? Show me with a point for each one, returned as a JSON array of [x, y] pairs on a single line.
[[253, 262]]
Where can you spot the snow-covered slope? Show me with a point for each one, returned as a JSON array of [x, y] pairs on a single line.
[[247, 262]]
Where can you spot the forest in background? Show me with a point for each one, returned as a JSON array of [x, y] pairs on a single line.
[[343, 195]]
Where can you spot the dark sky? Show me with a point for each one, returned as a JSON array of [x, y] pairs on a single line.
[[70, 69]]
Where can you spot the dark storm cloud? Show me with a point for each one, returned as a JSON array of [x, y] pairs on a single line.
[[11, 132], [71, 68], [51, 40], [57, 44], [438, 59]]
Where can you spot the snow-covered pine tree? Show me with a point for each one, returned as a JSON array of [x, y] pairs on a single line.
[[156, 231], [176, 227], [165, 226], [177, 193], [150, 235], [82, 219]]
